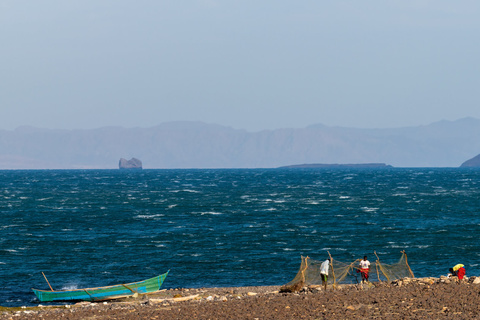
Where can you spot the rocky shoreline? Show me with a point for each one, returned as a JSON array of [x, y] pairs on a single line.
[[420, 298]]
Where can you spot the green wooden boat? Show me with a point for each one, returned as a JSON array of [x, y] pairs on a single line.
[[103, 293]]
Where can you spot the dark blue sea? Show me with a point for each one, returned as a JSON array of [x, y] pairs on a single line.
[[216, 228]]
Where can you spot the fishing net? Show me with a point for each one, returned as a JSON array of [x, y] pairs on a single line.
[[349, 273]]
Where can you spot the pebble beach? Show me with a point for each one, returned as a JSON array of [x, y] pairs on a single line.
[[422, 298]]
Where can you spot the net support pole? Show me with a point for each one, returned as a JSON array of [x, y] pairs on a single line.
[[376, 266], [406, 262], [333, 271], [303, 271]]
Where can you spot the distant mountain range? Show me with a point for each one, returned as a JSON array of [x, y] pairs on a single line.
[[200, 145]]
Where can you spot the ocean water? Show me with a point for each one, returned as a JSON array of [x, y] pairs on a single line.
[[215, 228]]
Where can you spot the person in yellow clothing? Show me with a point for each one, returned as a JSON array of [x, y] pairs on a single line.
[[458, 270]]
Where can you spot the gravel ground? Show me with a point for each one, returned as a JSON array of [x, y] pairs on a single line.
[[425, 298]]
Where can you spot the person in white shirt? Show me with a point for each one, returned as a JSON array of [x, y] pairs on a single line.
[[324, 272], [364, 269]]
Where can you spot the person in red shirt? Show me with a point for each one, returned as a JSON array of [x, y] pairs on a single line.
[[364, 269], [458, 271]]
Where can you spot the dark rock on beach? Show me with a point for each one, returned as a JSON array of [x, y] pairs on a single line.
[[133, 163], [424, 298]]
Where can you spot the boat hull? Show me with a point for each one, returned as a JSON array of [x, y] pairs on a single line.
[[103, 293]]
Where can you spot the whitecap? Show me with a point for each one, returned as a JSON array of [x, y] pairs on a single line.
[[9, 226], [211, 212], [185, 190], [395, 246], [44, 199], [145, 216]]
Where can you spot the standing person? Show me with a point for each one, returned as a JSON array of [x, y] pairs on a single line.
[[324, 272], [364, 269]]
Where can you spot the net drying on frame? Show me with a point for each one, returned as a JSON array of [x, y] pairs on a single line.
[[349, 273]]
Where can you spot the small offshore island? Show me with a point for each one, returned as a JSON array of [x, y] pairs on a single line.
[[337, 165], [133, 163]]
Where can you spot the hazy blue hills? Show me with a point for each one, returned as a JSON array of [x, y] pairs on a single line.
[[200, 145], [337, 165], [474, 162]]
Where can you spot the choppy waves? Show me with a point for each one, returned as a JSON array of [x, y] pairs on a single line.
[[227, 227]]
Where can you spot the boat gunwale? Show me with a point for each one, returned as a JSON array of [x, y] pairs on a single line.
[[104, 287]]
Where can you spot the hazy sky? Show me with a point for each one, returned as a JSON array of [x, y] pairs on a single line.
[[246, 64]]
